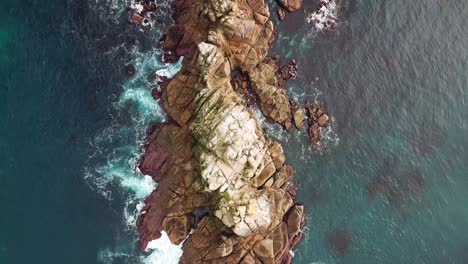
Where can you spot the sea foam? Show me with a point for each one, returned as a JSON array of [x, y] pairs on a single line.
[[113, 167], [163, 251]]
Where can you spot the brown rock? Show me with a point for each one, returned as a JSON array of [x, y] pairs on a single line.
[[323, 120], [281, 14], [264, 251], [298, 115], [283, 176], [277, 155], [150, 221], [177, 228], [295, 219], [274, 101], [266, 173], [290, 5], [200, 89], [280, 240], [136, 18], [317, 120]]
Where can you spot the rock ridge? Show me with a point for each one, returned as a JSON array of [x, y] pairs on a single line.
[[223, 187]]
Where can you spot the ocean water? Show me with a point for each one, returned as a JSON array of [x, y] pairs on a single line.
[[392, 182]]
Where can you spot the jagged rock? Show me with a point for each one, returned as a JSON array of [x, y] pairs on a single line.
[[150, 220], [216, 157], [241, 84], [298, 115], [280, 240], [274, 101], [290, 5], [283, 176], [281, 14], [317, 120]]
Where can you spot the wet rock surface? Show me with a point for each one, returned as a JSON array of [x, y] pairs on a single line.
[[317, 120], [289, 71], [217, 174]]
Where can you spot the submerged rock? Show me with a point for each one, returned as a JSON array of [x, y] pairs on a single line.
[[340, 241]]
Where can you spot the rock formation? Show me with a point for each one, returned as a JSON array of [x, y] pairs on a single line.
[[213, 158], [317, 120]]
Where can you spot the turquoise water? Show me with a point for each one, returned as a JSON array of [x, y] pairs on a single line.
[[393, 75]]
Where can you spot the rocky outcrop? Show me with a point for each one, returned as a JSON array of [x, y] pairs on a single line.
[[317, 120], [214, 158], [274, 101]]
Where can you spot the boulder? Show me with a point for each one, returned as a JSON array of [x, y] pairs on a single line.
[[290, 5]]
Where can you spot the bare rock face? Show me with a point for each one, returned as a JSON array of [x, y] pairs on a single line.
[[215, 156], [290, 5]]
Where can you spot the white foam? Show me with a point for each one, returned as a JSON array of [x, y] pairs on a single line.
[[325, 17], [163, 251], [171, 69], [137, 7]]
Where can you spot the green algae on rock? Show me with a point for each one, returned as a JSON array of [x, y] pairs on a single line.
[[216, 156]]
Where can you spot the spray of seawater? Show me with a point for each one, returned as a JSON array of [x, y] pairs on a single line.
[[118, 147], [112, 167]]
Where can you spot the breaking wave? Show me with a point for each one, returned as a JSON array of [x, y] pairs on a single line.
[[112, 167]]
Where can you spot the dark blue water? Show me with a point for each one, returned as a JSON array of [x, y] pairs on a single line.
[[394, 180]]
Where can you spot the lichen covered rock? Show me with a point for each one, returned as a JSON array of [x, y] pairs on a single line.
[[216, 157]]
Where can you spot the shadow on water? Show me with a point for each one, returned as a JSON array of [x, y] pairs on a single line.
[[400, 183], [340, 241]]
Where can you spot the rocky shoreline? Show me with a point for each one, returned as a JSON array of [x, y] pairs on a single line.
[[224, 189]]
